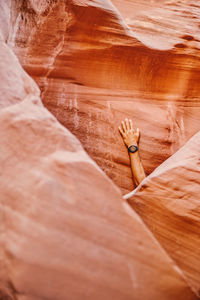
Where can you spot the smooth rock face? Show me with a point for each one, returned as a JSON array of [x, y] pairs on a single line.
[[168, 202], [65, 232], [98, 62]]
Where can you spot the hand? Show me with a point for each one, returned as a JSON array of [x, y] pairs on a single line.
[[129, 135]]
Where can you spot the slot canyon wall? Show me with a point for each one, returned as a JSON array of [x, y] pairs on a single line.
[[97, 62], [65, 231]]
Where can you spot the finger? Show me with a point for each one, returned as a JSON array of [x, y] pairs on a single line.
[[138, 132], [121, 131], [123, 126], [131, 124], [127, 124]]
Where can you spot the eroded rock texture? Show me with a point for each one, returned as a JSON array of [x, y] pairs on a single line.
[[99, 61], [168, 202], [65, 232]]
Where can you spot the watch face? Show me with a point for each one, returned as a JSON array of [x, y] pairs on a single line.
[[133, 149]]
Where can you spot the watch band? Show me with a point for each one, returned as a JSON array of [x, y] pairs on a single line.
[[133, 148]]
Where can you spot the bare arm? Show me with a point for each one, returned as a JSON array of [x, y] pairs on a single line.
[[131, 137]]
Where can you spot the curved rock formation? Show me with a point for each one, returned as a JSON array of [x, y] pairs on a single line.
[[168, 202], [97, 62], [64, 231]]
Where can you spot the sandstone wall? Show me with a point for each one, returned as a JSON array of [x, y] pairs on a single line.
[[65, 232], [97, 62], [168, 202]]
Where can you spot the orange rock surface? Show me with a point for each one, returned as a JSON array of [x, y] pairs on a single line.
[[168, 201], [65, 232], [97, 62]]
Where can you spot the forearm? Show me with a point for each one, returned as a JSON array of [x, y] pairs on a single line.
[[137, 167], [131, 139]]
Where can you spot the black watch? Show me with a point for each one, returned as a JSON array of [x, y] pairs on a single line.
[[133, 148]]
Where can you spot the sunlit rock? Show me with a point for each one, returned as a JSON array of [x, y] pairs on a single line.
[[168, 202], [65, 232], [97, 62]]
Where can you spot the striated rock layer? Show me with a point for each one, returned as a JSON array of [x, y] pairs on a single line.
[[65, 232], [168, 202], [99, 61]]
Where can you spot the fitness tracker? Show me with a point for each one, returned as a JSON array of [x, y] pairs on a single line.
[[133, 148]]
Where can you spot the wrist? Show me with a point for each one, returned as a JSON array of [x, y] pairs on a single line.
[[133, 143]]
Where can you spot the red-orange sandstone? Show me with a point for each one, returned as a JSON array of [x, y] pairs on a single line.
[[97, 62], [65, 232]]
